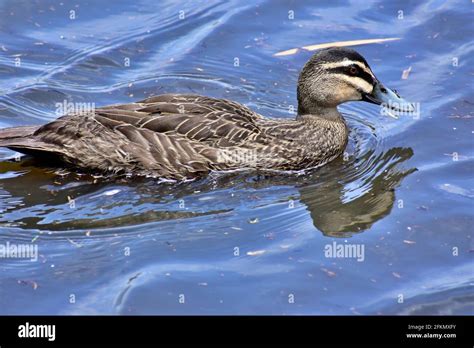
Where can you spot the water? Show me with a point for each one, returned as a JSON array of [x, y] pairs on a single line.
[[243, 243]]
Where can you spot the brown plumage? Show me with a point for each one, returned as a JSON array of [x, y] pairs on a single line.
[[179, 136]]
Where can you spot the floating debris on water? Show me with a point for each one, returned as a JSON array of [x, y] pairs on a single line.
[[33, 284], [74, 243], [328, 272], [111, 192], [406, 73], [334, 44], [253, 221], [256, 252]]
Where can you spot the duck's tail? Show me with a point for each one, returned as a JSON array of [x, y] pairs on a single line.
[[22, 139], [16, 133]]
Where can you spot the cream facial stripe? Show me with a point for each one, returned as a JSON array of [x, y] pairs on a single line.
[[357, 82], [347, 62]]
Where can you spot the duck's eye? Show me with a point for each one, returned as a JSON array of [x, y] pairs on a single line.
[[353, 70]]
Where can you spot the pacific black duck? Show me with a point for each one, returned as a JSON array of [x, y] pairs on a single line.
[[178, 136]]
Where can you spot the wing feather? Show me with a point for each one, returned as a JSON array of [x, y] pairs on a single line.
[[196, 118]]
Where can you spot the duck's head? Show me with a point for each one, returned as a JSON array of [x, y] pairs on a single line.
[[337, 75]]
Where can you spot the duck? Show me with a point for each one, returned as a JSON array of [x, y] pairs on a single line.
[[185, 136]]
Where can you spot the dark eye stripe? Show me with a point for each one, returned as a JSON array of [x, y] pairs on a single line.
[[360, 73]]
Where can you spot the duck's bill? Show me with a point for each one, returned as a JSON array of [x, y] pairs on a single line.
[[388, 98]]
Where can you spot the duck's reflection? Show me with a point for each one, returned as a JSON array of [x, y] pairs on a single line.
[[342, 198], [336, 216]]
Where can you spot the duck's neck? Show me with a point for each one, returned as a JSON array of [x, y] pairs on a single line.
[[315, 103], [328, 113]]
